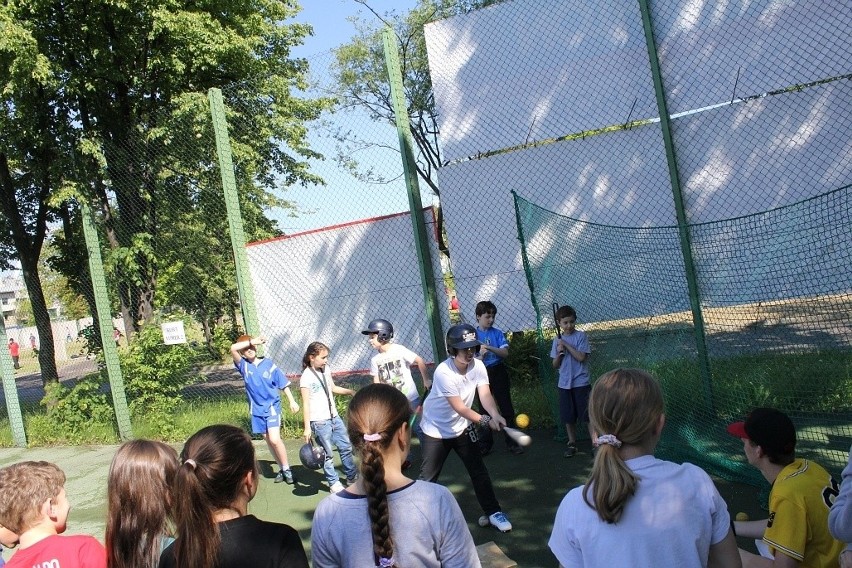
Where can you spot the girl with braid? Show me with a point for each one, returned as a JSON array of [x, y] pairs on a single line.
[[386, 519], [636, 510], [217, 478]]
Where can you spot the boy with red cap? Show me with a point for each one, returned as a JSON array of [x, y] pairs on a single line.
[[796, 531]]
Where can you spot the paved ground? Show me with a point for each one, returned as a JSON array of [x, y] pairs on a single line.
[[529, 486]]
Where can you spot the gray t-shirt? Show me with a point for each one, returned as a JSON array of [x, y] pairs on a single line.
[[426, 524]]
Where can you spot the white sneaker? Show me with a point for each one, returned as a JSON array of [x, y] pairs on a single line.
[[338, 487], [499, 521]]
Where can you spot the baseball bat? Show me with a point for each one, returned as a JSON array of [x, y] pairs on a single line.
[[556, 321], [518, 436]]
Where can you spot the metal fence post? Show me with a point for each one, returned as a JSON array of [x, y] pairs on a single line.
[[400, 109], [104, 316], [682, 221], [10, 391], [232, 206]]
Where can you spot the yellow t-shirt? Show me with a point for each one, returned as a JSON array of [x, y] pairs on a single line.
[[798, 515]]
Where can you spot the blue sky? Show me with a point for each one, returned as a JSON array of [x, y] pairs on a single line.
[[344, 198], [329, 20]]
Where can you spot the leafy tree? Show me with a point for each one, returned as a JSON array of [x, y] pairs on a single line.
[[34, 139], [361, 78], [121, 90]]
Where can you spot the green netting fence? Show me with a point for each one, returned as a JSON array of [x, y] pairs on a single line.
[[775, 292]]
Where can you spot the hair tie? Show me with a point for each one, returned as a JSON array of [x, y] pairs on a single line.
[[608, 439], [386, 562], [191, 463], [374, 438]]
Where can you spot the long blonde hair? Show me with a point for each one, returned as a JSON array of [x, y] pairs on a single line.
[[625, 403]]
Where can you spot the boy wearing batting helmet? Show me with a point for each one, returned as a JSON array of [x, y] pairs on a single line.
[[392, 366], [448, 419]]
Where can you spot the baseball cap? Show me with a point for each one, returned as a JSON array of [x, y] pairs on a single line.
[[770, 429]]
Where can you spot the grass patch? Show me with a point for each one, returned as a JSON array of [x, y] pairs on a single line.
[[816, 386]]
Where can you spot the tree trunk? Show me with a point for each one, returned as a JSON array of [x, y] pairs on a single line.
[[28, 247], [47, 350]]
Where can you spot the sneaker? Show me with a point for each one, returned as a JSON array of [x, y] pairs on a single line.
[[570, 451], [499, 521], [288, 477], [336, 488], [281, 476]]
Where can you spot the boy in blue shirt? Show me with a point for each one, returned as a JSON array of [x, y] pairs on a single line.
[[493, 351], [263, 380], [570, 354]]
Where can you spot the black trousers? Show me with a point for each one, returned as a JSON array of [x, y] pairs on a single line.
[[435, 452], [501, 390]]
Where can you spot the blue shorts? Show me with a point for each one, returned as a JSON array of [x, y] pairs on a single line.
[[262, 424], [574, 404]]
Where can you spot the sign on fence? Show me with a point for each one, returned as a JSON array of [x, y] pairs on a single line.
[[173, 333]]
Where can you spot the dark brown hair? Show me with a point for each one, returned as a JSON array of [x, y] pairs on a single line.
[[139, 503], [214, 463], [565, 312], [313, 350], [376, 409]]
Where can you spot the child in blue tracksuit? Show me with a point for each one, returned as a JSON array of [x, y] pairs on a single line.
[[263, 381]]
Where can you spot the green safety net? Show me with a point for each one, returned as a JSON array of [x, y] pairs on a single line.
[[774, 295]]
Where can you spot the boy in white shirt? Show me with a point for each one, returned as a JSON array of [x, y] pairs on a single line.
[[392, 365]]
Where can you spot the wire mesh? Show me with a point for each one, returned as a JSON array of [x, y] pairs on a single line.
[[554, 100], [730, 211]]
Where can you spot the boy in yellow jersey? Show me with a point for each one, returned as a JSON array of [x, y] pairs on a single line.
[[796, 532]]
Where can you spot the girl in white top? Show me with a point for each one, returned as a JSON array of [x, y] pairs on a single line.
[[385, 519], [636, 510]]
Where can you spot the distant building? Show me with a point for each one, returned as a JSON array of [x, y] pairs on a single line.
[[12, 291]]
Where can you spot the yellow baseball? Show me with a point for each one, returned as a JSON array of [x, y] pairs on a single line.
[[522, 420], [741, 516]]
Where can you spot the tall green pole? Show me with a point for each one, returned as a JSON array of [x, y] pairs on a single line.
[[400, 110], [232, 207], [682, 221], [104, 315], [10, 390]]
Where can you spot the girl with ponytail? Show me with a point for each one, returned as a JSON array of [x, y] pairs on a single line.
[[386, 519], [637, 510], [216, 479]]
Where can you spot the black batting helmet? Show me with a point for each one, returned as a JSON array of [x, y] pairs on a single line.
[[311, 456], [461, 336], [382, 328]]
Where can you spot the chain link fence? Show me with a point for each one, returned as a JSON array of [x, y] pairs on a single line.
[[680, 176], [672, 163]]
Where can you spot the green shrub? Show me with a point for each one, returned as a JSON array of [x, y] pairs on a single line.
[[223, 337], [72, 416], [523, 360], [154, 376]]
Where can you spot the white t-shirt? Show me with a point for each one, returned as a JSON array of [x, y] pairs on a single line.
[[393, 367], [674, 517], [318, 400], [439, 419]]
